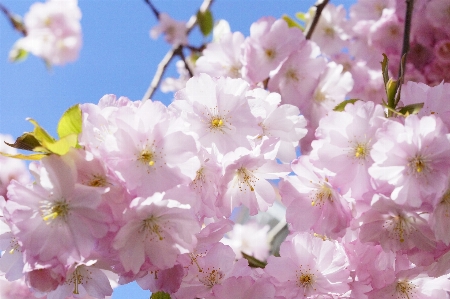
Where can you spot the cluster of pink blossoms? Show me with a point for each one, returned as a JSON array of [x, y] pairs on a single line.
[[148, 194], [53, 32]]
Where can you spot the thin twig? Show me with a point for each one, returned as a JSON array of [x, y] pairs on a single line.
[[406, 34], [320, 5], [162, 66], [176, 50], [153, 8], [15, 22], [181, 54]]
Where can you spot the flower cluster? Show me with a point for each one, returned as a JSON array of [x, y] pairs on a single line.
[[53, 32], [137, 191]]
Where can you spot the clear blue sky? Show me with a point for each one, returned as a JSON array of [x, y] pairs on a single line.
[[117, 57]]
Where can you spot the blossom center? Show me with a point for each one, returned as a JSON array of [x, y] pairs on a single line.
[[54, 210], [76, 279], [270, 53], [150, 225], [405, 289], [212, 278], [361, 151], [97, 181], [216, 122], [147, 157], [399, 227], [418, 165], [320, 97], [292, 75], [306, 279], [322, 195], [246, 179], [329, 31]]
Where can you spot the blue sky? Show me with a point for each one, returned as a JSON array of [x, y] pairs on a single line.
[[118, 57]]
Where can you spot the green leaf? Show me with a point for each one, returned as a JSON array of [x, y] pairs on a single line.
[[17, 55], [341, 106], [411, 109], [301, 16], [391, 91], [160, 295], [254, 262], [40, 134], [26, 141], [205, 21], [62, 146], [33, 157], [70, 122], [384, 69], [291, 22]]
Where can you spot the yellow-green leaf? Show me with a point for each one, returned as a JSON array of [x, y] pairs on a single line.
[[26, 141], [70, 122], [291, 22], [33, 157], [384, 69], [40, 134], [18, 55], [301, 16], [411, 109], [205, 21], [63, 145], [341, 106], [160, 295]]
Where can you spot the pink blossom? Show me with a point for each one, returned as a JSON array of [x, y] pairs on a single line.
[[330, 32], [387, 32], [250, 238], [244, 288], [53, 31], [415, 283], [331, 90], [309, 266], [156, 229], [312, 201], [210, 268], [281, 122], [395, 227], [223, 57], [433, 99], [83, 281], [270, 42], [244, 180], [217, 112], [345, 141], [56, 207], [298, 75], [414, 158], [149, 154], [436, 13], [175, 31]]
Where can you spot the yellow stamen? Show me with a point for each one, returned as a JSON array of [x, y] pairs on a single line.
[[217, 122]]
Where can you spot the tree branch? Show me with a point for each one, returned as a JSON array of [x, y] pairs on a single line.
[[320, 5], [176, 50], [406, 34], [153, 8], [15, 21], [181, 54]]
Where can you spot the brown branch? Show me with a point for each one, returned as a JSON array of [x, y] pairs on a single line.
[[320, 5], [183, 58], [153, 8], [15, 21], [176, 50], [406, 35]]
